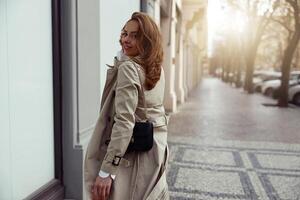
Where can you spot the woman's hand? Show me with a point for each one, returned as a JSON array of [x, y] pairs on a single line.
[[101, 188]]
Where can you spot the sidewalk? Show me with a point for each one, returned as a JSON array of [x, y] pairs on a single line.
[[226, 145]]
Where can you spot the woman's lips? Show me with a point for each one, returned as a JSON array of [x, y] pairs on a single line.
[[126, 47]]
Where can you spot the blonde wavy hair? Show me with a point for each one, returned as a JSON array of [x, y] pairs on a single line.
[[149, 45]]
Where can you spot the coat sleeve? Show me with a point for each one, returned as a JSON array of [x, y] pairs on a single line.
[[126, 101]]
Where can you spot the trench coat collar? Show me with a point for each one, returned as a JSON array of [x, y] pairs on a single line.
[[121, 57]]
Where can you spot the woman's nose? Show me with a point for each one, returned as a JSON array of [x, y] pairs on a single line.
[[127, 38]]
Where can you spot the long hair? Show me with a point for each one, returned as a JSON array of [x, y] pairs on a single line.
[[149, 47]]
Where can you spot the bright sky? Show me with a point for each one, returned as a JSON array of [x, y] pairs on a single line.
[[215, 13], [221, 19]]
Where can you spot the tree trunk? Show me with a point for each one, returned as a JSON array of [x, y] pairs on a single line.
[[251, 53], [250, 60], [286, 68], [250, 67], [226, 67], [238, 72], [223, 72]]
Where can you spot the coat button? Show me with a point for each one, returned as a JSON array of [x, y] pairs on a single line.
[[109, 119]]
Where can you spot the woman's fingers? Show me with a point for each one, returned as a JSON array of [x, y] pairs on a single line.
[[101, 189], [108, 190], [95, 193], [103, 192]]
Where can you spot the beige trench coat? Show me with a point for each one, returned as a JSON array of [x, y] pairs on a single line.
[[139, 176]]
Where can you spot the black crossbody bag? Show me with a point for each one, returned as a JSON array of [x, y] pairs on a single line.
[[142, 137]]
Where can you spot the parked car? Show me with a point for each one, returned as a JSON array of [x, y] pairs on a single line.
[[259, 77], [277, 90], [294, 94], [268, 87]]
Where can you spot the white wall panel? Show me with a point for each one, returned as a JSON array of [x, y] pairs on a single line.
[[5, 167], [113, 16], [26, 74]]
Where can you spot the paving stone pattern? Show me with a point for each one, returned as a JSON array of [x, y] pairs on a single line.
[[224, 144], [233, 170]]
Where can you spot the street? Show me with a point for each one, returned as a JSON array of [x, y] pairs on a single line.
[[225, 144]]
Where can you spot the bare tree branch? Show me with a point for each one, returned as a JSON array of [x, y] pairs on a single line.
[[294, 4], [282, 24], [268, 14], [236, 5]]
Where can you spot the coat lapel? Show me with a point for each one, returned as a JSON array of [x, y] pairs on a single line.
[[111, 76]]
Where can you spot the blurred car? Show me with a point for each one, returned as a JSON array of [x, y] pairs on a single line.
[[259, 77], [294, 94], [268, 87], [277, 90]]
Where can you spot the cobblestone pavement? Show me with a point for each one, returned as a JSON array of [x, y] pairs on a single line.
[[224, 144]]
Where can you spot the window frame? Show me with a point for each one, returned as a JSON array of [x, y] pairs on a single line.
[[54, 189]]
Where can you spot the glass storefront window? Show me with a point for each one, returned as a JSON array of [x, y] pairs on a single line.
[[26, 103]]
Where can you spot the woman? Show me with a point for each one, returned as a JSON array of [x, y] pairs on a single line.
[[137, 75]]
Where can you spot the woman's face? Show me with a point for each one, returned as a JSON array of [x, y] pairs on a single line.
[[128, 38]]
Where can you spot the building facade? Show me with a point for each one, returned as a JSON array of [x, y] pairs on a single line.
[[52, 73]]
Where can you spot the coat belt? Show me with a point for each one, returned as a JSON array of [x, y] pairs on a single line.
[[159, 121]]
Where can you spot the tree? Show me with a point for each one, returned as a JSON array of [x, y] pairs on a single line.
[[258, 20], [270, 50], [291, 21], [257, 17]]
